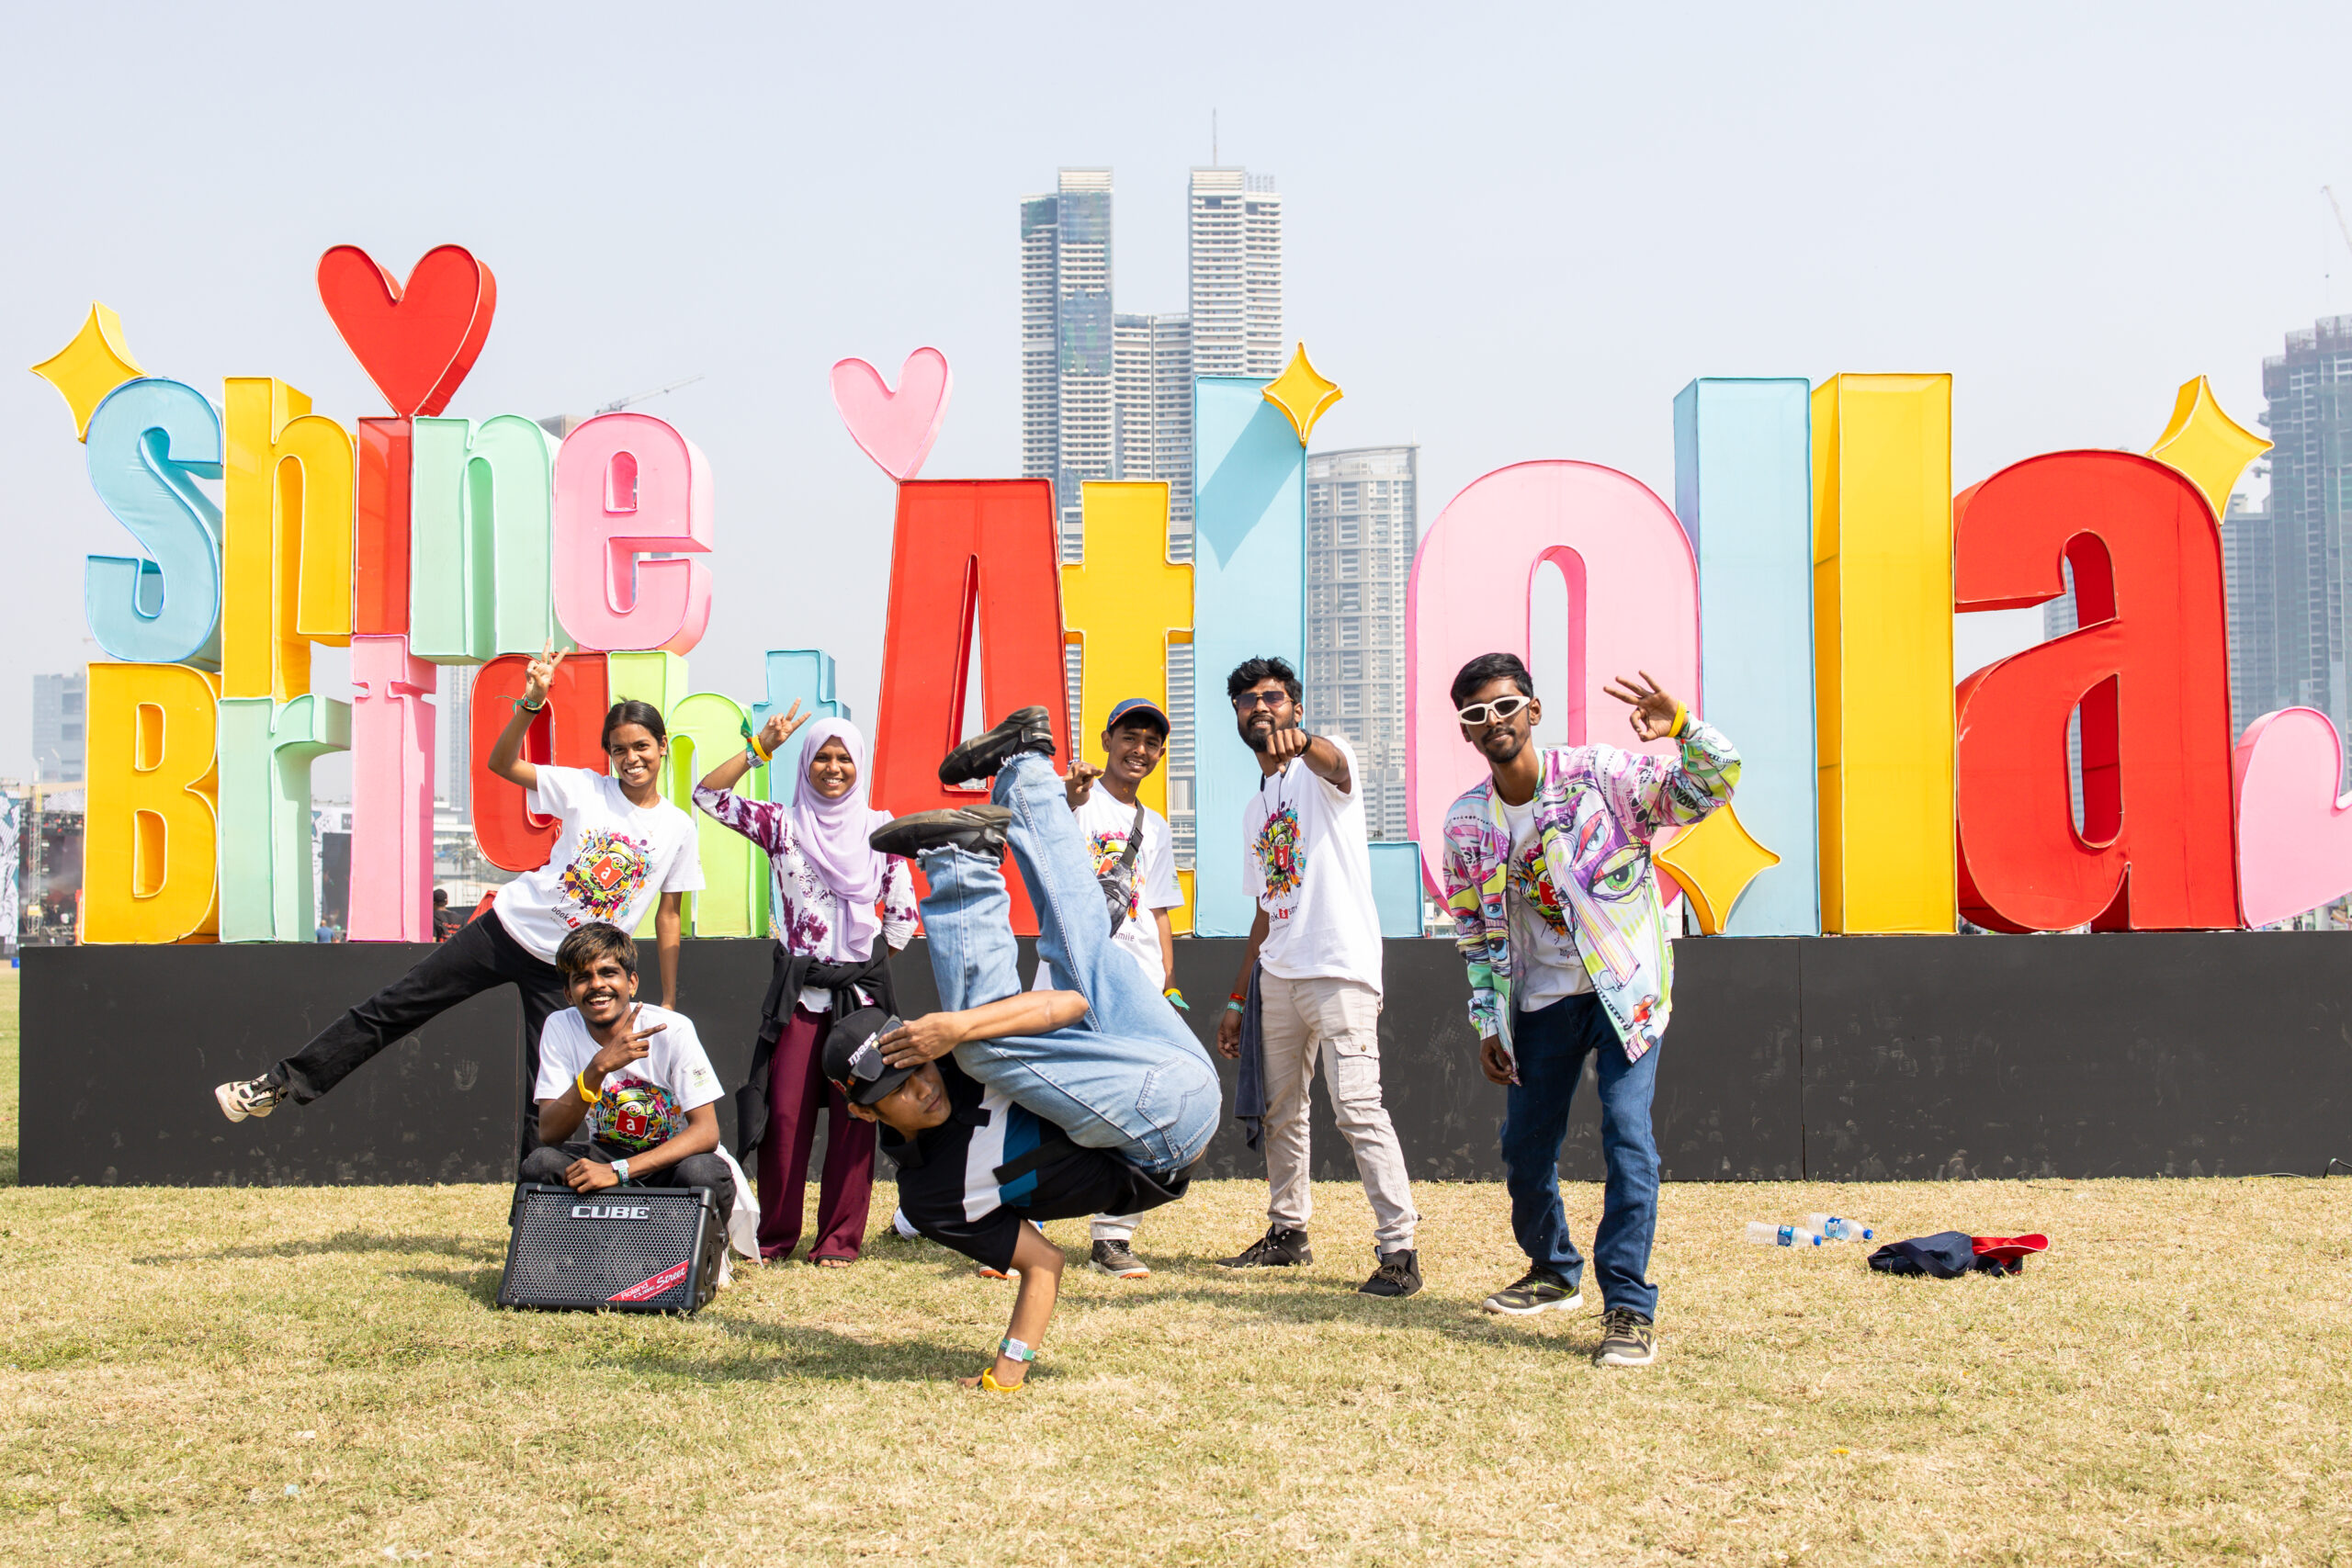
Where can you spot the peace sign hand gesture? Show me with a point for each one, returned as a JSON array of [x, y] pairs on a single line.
[[540, 675], [779, 728], [629, 1046], [1653, 718]]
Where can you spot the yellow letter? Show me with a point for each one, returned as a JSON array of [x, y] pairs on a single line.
[[286, 539], [152, 837], [1881, 634]]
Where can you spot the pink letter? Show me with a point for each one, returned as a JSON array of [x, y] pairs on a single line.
[[1633, 604], [626, 483], [391, 792]]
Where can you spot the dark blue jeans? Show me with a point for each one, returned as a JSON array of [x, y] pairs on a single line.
[[1551, 1045]]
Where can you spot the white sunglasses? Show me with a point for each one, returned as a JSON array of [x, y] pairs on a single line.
[[1493, 712]]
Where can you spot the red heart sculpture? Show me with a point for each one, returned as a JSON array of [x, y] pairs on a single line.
[[417, 340]]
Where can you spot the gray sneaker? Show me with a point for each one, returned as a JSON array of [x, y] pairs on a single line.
[[1117, 1259], [248, 1096], [1537, 1290], [1627, 1339]]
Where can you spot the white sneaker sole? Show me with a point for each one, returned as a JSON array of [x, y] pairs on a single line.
[[231, 1109], [1566, 1304], [1619, 1358], [1138, 1272]]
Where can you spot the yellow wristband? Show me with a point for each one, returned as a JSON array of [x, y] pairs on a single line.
[[580, 1082], [761, 753], [1682, 721], [987, 1381]]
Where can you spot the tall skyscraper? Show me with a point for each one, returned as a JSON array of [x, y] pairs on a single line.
[[2309, 393], [1152, 361], [2250, 562], [1234, 232], [59, 720], [1362, 522], [1067, 384], [454, 722], [1109, 396]]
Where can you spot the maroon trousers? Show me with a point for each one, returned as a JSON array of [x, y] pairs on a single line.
[[797, 1091]]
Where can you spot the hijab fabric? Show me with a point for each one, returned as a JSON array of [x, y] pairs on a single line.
[[831, 833]]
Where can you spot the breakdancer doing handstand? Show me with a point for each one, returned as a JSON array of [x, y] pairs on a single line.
[[1009, 1105]]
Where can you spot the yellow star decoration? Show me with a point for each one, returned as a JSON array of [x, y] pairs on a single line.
[[2207, 445], [1714, 862], [1302, 393], [93, 365]]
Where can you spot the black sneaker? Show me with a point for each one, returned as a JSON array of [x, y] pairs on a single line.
[[1278, 1248], [1399, 1274], [1627, 1339], [980, 829], [248, 1096], [1537, 1290], [978, 758], [1117, 1259]]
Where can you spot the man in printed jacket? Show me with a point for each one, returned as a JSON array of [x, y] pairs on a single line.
[[1557, 914]]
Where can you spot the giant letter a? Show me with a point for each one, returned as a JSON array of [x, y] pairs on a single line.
[[2150, 669], [972, 559]]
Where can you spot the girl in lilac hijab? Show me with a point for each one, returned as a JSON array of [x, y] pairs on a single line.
[[834, 897]]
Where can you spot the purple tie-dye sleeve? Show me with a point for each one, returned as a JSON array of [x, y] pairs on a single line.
[[761, 821], [899, 921]]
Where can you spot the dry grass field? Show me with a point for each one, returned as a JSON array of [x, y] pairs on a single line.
[[316, 1376]]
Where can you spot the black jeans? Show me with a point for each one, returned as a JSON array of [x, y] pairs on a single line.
[[547, 1163], [479, 956]]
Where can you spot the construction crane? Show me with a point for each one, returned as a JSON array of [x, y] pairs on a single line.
[[562, 424]]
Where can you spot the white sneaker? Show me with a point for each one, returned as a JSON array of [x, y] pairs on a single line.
[[248, 1096]]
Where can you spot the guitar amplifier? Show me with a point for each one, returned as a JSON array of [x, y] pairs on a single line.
[[624, 1249]]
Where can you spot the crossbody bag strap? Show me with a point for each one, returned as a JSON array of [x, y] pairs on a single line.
[[1128, 870]]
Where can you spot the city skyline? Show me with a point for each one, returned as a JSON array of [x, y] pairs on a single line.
[[1707, 206]]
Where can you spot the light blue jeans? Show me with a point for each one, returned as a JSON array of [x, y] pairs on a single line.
[[1128, 1077]]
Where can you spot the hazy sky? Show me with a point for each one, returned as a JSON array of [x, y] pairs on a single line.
[[1511, 233]]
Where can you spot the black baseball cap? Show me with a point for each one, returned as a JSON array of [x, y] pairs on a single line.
[[853, 1061]]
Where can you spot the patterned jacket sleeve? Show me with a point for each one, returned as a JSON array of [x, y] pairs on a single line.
[[1463, 902], [1649, 791], [761, 821], [899, 913]]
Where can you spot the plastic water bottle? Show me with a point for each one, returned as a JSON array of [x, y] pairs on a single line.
[[1832, 1227], [1766, 1234]]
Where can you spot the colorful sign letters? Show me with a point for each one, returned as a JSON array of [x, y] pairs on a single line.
[[1800, 594]]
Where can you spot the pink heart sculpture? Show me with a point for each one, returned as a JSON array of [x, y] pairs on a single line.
[[895, 429], [2294, 835]]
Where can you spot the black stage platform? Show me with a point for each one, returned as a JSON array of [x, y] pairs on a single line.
[[1840, 1058]]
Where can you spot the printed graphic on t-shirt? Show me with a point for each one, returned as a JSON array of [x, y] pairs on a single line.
[[1108, 850], [605, 873], [634, 1114], [1531, 880], [1282, 860]]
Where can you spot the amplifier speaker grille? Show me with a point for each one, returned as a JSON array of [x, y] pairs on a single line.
[[625, 1249]]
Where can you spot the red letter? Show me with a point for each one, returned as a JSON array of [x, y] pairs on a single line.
[[967, 553], [570, 734], [2150, 667]]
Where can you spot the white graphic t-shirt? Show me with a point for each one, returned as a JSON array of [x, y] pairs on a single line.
[[644, 1104], [1152, 884], [610, 862], [1305, 854], [1544, 958]]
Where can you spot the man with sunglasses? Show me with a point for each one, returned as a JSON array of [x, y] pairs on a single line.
[[1556, 911], [1315, 946]]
